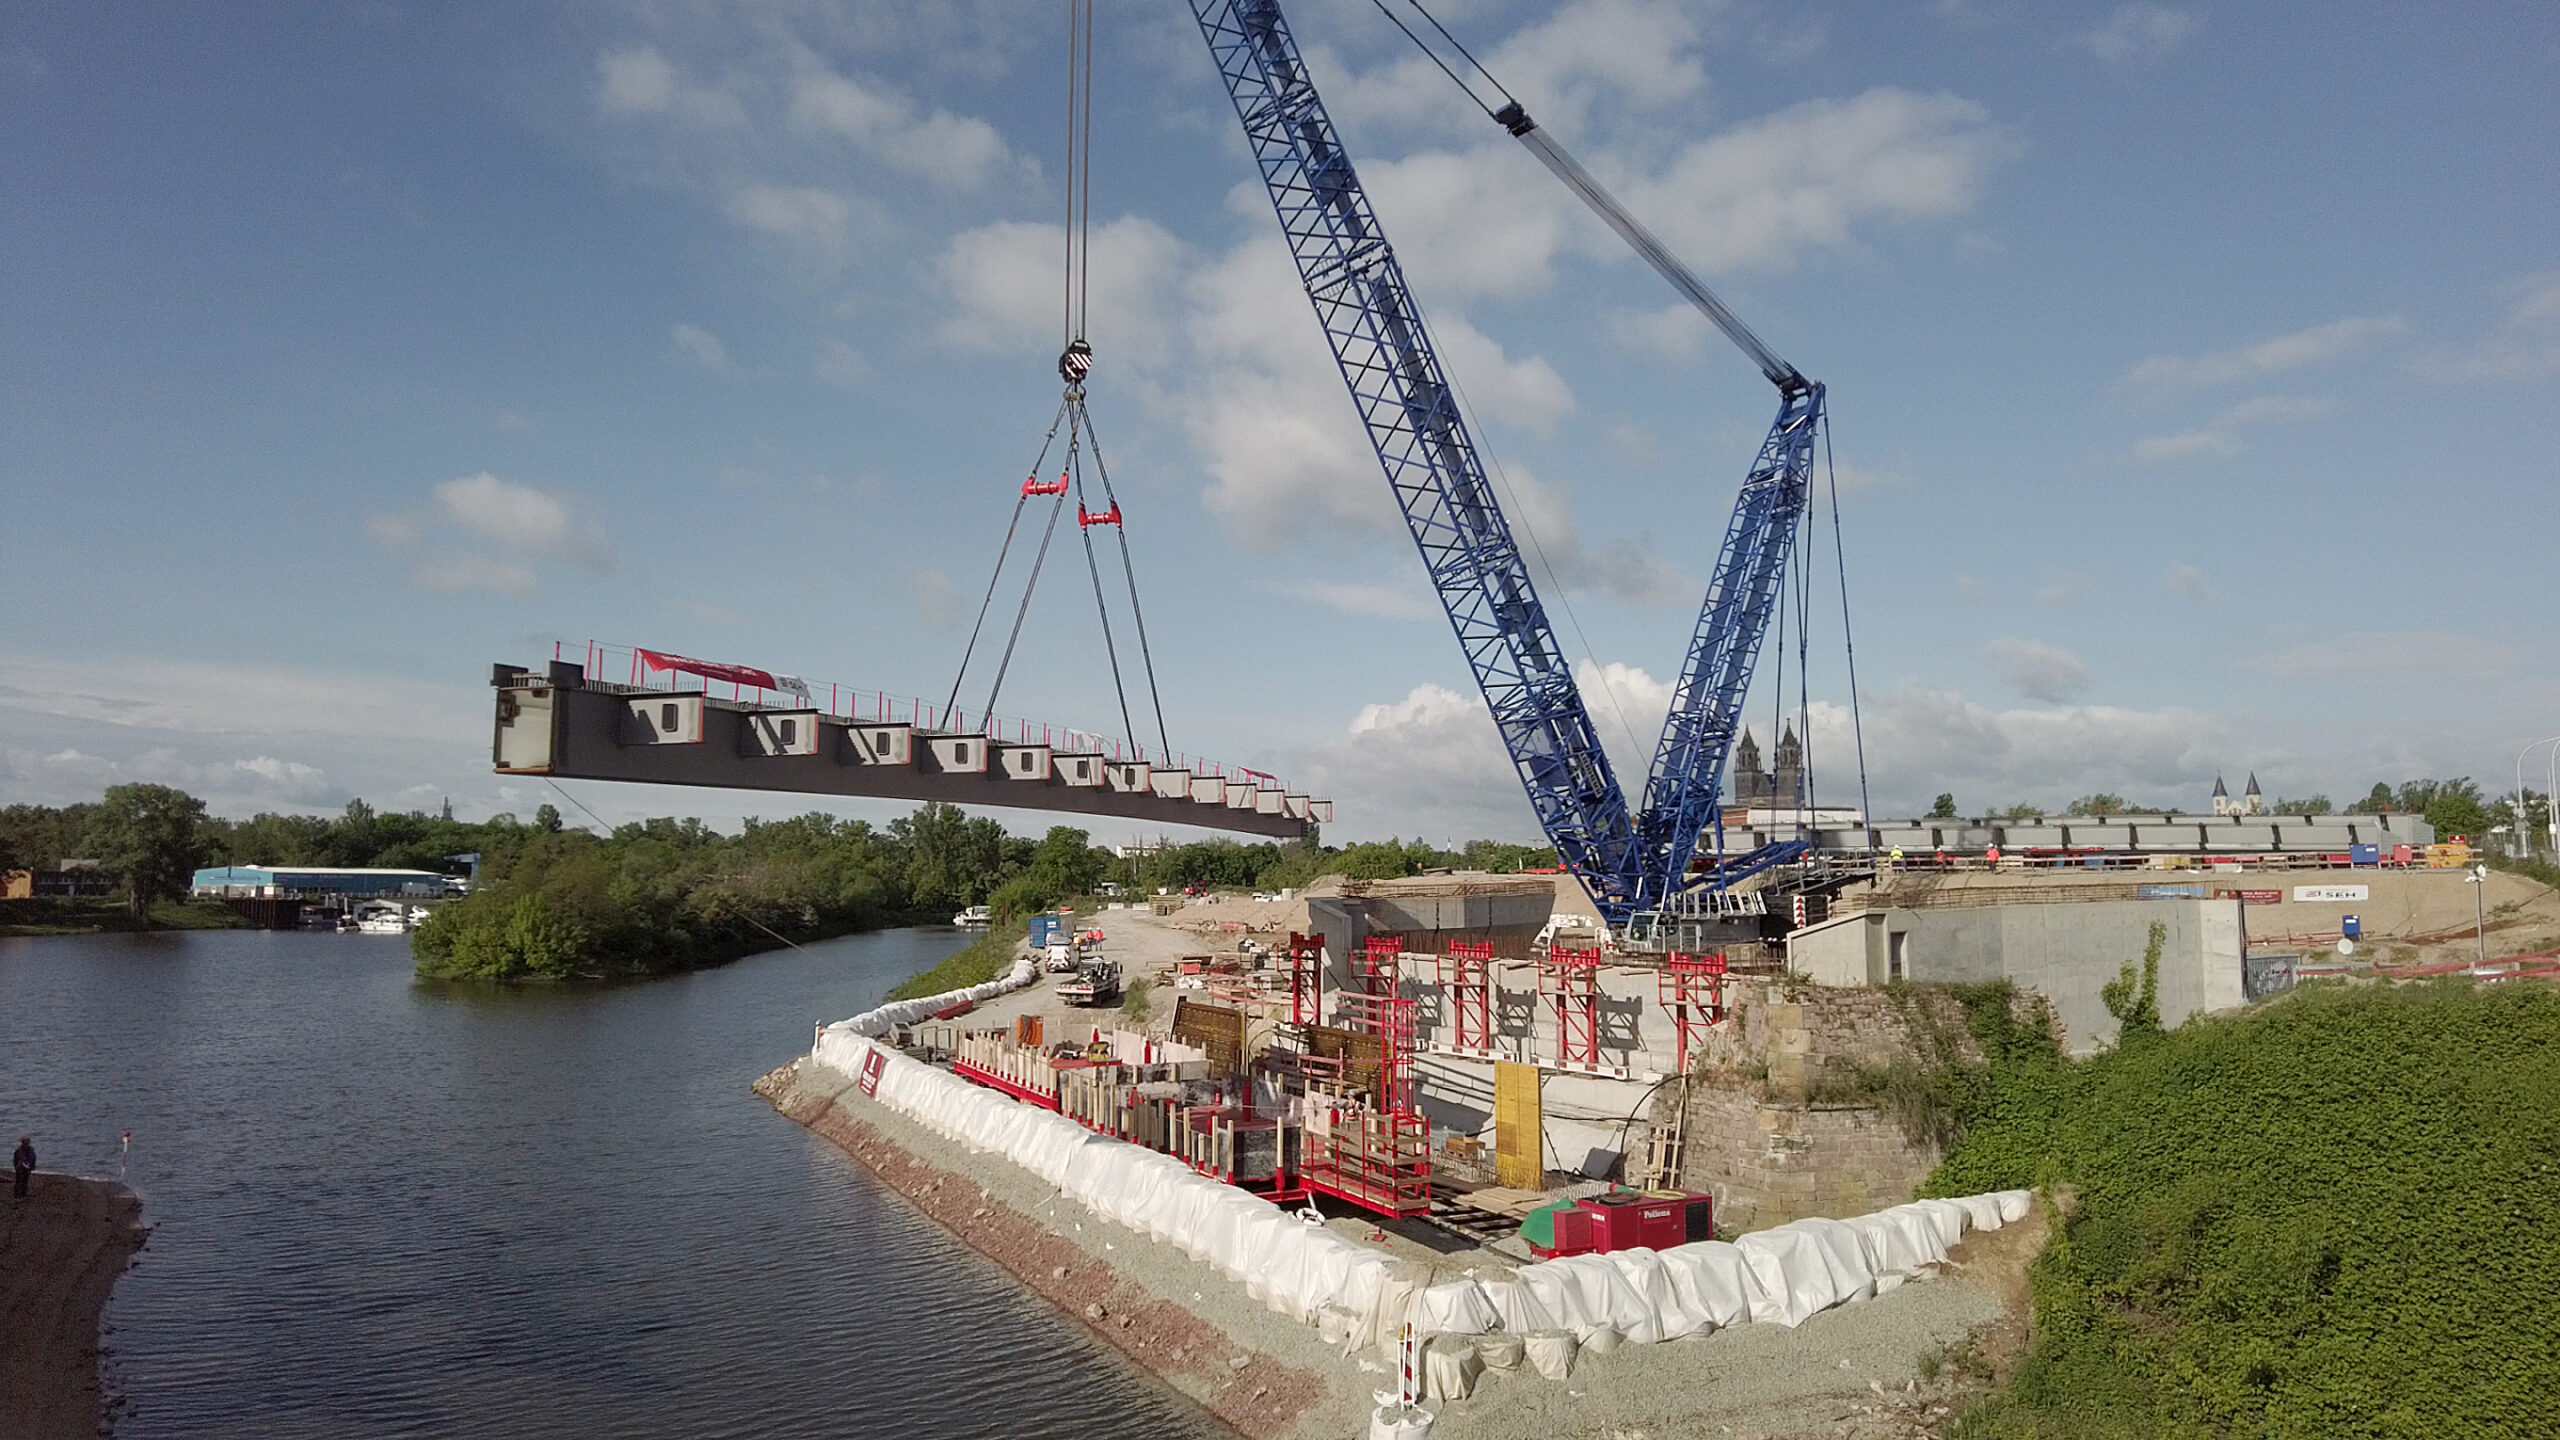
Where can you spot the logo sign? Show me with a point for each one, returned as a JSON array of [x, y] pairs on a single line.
[[2321, 894], [2251, 897], [2168, 892], [874, 1064]]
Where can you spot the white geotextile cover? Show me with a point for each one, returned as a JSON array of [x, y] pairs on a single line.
[[1781, 1276]]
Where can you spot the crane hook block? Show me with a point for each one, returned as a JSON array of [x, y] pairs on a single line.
[[1033, 486], [1107, 517], [1075, 362]]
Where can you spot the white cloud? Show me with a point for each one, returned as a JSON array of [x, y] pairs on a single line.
[[523, 522], [2140, 32], [2318, 345], [523, 518], [1922, 740], [1430, 763], [288, 779], [2037, 670], [1763, 194], [697, 346], [1353, 597], [1005, 281], [2188, 582], [2527, 346], [1675, 332], [838, 363], [813, 221], [637, 80], [2061, 587], [956, 152], [1968, 590], [2221, 434]]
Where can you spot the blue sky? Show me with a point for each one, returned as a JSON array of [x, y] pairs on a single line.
[[2192, 369]]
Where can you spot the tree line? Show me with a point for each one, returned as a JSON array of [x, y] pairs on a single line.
[[2450, 807], [554, 901]]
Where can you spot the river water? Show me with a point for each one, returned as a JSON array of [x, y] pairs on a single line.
[[388, 1210]]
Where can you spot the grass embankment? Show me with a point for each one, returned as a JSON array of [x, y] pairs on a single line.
[[986, 958], [61, 915], [2334, 1216]]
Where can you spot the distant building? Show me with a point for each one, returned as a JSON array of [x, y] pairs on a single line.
[[2250, 803], [1781, 787], [70, 878], [316, 880]]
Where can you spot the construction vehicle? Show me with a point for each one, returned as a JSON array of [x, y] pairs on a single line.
[[1098, 983], [1638, 865]]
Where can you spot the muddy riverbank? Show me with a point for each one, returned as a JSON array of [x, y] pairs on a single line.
[[61, 1250]]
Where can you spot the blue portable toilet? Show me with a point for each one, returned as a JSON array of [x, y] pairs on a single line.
[[2351, 926], [2364, 854]]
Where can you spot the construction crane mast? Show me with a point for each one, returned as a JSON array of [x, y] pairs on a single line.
[[1635, 864]]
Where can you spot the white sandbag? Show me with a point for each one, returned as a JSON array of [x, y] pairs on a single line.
[[1601, 1341], [2013, 1205], [1450, 1368], [1950, 1218], [1517, 1304], [1334, 1326], [1792, 1278], [1455, 1307], [1400, 1422], [1500, 1350], [1584, 1292], [1982, 1212], [1711, 1280], [1667, 1316], [1550, 1352], [1843, 1256]]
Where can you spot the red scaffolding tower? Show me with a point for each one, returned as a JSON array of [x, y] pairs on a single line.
[[1306, 978], [1692, 990], [1466, 987], [1569, 981], [1377, 965]]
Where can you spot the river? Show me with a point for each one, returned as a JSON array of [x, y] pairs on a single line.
[[387, 1210]]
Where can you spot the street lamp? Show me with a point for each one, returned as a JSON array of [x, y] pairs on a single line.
[[2522, 830]]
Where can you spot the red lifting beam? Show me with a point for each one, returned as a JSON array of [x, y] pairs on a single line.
[[1107, 517], [1466, 979], [1569, 979], [1692, 989]]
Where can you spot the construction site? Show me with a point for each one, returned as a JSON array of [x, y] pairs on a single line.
[[1466, 1121]]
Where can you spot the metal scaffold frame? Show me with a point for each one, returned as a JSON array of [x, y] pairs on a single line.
[[1569, 981], [1692, 991], [1305, 955], [1377, 965], [1466, 985]]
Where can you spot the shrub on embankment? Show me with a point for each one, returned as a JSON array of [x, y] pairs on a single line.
[[2335, 1216], [986, 958]]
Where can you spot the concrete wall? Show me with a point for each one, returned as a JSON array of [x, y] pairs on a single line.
[[2064, 952]]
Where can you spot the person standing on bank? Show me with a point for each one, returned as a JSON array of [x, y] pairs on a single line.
[[23, 1164]]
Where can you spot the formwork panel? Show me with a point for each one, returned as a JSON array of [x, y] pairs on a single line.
[[664, 720], [779, 732], [879, 745], [1208, 790], [1082, 771], [957, 754], [1023, 762]]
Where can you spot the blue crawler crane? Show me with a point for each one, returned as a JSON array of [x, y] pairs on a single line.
[[1637, 865]]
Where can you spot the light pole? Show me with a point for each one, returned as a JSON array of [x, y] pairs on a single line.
[[2479, 878], [2521, 824]]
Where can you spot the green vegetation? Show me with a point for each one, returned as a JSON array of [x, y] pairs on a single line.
[[984, 960], [88, 915], [2330, 1217], [1226, 864], [1133, 999], [1944, 807], [666, 895]]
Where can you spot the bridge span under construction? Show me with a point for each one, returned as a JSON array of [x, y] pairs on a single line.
[[564, 724]]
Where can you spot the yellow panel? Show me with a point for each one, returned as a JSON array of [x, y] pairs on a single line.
[[1517, 1127]]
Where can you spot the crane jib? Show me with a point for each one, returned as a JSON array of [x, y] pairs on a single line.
[[1380, 344]]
